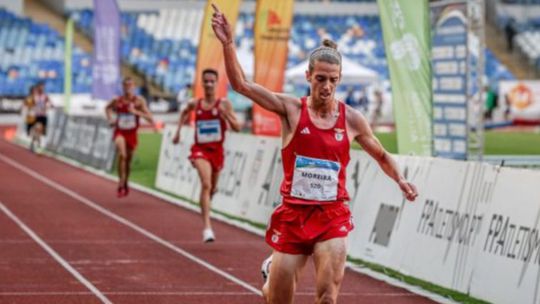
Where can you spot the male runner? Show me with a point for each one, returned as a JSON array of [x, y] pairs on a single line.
[[30, 115], [128, 108], [37, 104], [212, 115], [313, 218]]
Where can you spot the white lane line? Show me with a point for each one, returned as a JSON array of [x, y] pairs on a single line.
[[128, 223], [55, 255]]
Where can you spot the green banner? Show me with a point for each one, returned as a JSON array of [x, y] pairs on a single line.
[[407, 40], [67, 65]]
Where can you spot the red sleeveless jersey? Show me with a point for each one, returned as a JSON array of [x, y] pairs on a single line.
[[126, 121], [315, 162], [210, 127]]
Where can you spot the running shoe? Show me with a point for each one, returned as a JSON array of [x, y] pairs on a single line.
[[120, 192], [208, 235], [265, 268]]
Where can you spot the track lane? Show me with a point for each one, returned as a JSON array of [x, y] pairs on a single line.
[[25, 266], [116, 259], [236, 251]]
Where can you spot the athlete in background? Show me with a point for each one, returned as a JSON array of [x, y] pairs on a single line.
[[128, 109], [212, 117], [36, 106]]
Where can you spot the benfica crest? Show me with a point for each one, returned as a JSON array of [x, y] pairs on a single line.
[[339, 134]]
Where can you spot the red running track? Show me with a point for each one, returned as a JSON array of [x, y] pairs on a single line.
[[66, 238]]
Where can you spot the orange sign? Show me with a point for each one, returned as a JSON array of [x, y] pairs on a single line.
[[209, 54], [521, 96], [273, 21]]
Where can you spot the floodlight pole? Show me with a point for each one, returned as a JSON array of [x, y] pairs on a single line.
[[475, 75]]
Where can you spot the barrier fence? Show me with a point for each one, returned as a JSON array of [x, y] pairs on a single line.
[[85, 139]]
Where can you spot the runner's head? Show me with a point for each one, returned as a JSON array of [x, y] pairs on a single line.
[[40, 87], [209, 80], [128, 86], [324, 71]]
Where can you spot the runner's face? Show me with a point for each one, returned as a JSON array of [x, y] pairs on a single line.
[[323, 80], [209, 83], [129, 87]]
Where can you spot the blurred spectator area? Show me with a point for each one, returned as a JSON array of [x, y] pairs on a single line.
[[519, 21], [162, 43], [32, 52]]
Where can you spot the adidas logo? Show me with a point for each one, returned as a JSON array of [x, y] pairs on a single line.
[[343, 229], [305, 131]]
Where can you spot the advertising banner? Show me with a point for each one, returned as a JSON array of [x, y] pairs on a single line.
[[210, 54], [106, 56], [273, 20], [407, 38], [450, 80]]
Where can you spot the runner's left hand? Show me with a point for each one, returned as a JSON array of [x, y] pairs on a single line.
[[176, 138], [408, 189]]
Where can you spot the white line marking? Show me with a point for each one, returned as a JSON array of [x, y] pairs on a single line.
[[128, 223], [55, 255]]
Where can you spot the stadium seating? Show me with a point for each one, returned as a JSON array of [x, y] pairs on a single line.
[[32, 52], [163, 44], [523, 18]]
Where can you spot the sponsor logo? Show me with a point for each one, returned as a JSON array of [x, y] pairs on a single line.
[[383, 228], [305, 131], [407, 49], [214, 111], [275, 25], [449, 225], [521, 96], [273, 19]]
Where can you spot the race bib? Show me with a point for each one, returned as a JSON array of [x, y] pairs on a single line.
[[208, 131], [126, 121], [315, 179], [40, 107]]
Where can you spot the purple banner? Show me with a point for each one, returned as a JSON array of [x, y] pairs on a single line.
[[106, 60]]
